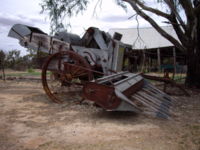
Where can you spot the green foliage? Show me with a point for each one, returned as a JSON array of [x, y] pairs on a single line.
[[2, 55], [61, 10], [122, 4], [30, 70], [2, 58], [31, 53], [14, 60]]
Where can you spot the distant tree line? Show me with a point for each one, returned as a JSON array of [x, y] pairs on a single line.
[[13, 60]]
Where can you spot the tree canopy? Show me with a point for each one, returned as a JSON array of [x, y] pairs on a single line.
[[61, 10]]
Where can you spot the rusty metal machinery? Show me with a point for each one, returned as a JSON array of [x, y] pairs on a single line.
[[68, 68], [92, 65], [126, 91]]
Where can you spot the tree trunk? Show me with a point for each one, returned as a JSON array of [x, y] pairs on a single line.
[[193, 65], [3, 72]]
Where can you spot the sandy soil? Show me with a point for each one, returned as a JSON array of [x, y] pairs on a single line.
[[28, 120]]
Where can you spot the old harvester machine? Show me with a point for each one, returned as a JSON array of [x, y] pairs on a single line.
[[92, 65]]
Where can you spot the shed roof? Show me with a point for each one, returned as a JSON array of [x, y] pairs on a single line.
[[145, 38]]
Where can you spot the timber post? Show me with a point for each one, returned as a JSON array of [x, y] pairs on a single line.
[[174, 56], [159, 60]]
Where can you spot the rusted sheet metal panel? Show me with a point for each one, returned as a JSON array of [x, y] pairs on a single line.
[[135, 88], [110, 91], [102, 95]]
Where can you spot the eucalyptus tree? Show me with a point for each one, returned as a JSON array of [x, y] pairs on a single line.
[[2, 63], [183, 15]]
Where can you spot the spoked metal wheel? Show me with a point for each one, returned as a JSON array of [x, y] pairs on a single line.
[[63, 75]]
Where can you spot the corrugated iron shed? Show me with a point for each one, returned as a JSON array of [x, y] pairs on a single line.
[[144, 38]]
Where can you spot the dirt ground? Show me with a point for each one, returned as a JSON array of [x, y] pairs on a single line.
[[28, 121]]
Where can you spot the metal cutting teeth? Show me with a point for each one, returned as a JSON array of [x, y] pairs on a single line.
[[156, 102]]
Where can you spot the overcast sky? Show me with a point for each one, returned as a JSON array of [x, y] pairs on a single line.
[[28, 12]]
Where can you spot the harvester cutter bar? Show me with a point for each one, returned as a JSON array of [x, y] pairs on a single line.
[[126, 91]]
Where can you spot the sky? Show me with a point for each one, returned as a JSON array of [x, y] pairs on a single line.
[[108, 15]]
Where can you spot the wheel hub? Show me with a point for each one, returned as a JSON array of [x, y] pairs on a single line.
[[68, 77]]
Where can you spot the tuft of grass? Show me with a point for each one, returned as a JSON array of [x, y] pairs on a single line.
[[30, 70]]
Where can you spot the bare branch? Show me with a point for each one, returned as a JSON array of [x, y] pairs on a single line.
[[133, 3], [175, 20], [187, 5], [139, 38], [190, 13], [173, 8], [99, 2], [150, 9], [197, 10], [179, 31]]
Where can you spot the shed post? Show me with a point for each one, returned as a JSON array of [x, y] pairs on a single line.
[[158, 57], [144, 60], [174, 55]]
